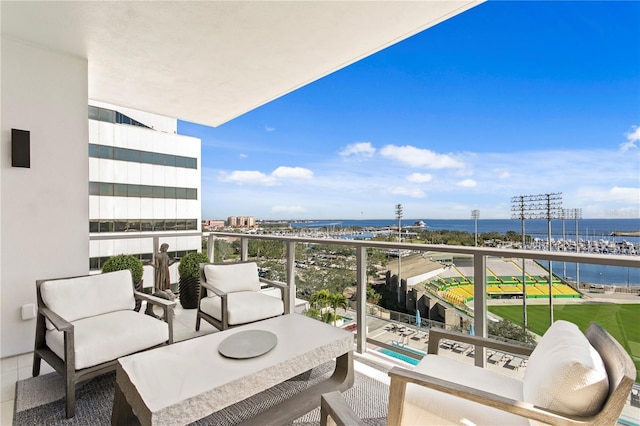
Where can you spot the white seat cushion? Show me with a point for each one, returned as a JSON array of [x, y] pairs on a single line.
[[88, 296], [565, 373], [109, 336], [233, 277], [458, 410], [243, 307]]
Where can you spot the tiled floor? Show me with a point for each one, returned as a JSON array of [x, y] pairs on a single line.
[[19, 367]]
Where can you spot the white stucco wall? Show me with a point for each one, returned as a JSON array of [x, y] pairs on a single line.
[[44, 218]]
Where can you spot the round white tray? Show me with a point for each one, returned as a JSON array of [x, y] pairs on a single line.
[[247, 344]]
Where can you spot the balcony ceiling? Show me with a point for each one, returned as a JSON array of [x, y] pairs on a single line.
[[211, 61]]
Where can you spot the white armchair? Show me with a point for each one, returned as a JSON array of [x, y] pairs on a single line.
[[84, 324], [230, 295], [571, 379]]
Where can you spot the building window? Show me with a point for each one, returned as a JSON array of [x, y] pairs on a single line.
[[95, 263], [136, 225], [108, 189], [111, 116], [145, 157]]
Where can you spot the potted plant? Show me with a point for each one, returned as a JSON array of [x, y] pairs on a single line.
[[189, 271], [132, 263]]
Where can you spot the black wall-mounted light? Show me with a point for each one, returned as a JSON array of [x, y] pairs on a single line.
[[20, 148]]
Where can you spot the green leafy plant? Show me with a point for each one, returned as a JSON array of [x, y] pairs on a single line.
[[190, 264], [124, 261]]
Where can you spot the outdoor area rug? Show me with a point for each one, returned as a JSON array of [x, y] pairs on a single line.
[[40, 400]]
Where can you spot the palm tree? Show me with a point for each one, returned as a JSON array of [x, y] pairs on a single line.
[[320, 299], [337, 300]]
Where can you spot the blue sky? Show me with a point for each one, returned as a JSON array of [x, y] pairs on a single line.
[[506, 99]]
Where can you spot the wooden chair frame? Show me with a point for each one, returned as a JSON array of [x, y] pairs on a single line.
[[618, 363], [66, 368], [224, 323]]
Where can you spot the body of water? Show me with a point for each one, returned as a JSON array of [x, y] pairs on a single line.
[[587, 230]]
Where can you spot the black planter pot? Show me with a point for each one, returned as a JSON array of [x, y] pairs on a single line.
[[189, 292]]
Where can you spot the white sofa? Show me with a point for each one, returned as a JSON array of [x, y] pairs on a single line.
[[84, 324]]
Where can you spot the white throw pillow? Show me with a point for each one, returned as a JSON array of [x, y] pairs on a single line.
[[565, 373]]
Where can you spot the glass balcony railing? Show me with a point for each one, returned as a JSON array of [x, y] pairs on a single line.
[[460, 301]]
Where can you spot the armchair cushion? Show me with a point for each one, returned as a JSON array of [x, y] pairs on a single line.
[[421, 404], [109, 336], [565, 373], [243, 307], [88, 296], [233, 277]]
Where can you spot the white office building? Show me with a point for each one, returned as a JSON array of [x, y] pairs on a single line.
[[144, 179]]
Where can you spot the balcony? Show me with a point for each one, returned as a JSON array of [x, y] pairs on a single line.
[[384, 338]]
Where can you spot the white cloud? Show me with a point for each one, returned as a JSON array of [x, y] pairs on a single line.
[[288, 209], [283, 172], [244, 156], [269, 129], [242, 177], [278, 176], [632, 138], [627, 195], [602, 182], [359, 150], [467, 183], [410, 192], [420, 177], [418, 157]]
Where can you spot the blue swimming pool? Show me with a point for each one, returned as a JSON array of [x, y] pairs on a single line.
[[402, 357]]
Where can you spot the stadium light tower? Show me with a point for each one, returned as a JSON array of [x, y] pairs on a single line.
[[541, 206], [519, 211], [475, 214]]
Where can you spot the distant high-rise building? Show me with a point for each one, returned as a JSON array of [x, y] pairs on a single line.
[[210, 224], [144, 178], [241, 221]]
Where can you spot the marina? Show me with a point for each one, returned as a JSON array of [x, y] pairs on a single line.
[[602, 236]]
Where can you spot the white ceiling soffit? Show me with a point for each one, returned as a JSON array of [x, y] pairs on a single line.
[[211, 61]]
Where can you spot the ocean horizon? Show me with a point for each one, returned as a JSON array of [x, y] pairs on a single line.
[[588, 229]]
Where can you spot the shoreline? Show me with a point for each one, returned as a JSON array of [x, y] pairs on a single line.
[[625, 234]]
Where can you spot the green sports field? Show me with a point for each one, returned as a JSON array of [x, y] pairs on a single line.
[[622, 321]]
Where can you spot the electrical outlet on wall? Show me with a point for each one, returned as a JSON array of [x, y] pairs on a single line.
[[28, 311]]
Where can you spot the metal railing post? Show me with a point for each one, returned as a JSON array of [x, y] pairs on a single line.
[[361, 302], [211, 247], [480, 304], [290, 301], [244, 249]]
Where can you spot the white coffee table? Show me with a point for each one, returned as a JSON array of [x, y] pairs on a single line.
[[186, 381]]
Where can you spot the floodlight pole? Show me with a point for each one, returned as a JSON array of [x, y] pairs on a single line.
[[475, 214], [399, 217], [518, 209], [564, 213]]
